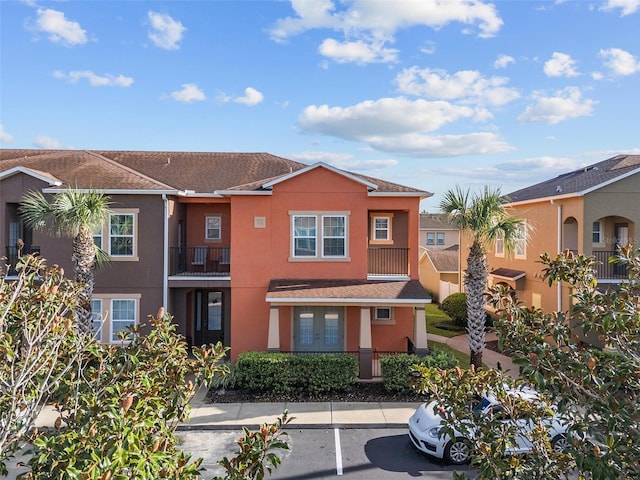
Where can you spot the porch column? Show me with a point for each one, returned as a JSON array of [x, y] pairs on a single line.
[[273, 341], [420, 332], [365, 350]]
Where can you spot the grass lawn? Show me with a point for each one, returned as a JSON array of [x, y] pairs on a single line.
[[463, 358], [434, 316]]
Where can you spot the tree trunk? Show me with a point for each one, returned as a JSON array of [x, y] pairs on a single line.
[[83, 257], [475, 282]]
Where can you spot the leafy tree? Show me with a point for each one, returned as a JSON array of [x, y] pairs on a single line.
[[74, 214], [38, 346], [486, 219], [455, 305], [596, 391]]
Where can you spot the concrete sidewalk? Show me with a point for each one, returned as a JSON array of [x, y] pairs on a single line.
[[218, 416]]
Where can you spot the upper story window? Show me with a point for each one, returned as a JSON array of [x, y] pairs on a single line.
[[435, 238], [521, 241], [319, 236], [113, 316], [500, 246], [440, 238], [596, 235], [97, 237], [213, 227], [122, 233], [381, 228]]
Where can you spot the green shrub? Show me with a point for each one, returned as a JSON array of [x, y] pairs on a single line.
[[397, 369], [455, 305], [283, 373]]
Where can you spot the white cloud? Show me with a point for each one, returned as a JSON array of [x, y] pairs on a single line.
[[627, 6], [60, 30], [5, 137], [43, 141], [560, 65], [503, 61], [327, 157], [549, 166], [465, 85], [189, 93], [358, 51], [431, 146], [565, 104], [251, 97], [620, 61], [383, 117], [429, 47], [106, 80], [368, 25], [165, 32]]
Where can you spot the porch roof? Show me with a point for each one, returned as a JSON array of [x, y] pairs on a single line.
[[347, 292], [508, 273]]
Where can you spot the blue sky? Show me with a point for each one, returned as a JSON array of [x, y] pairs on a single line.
[[424, 93]]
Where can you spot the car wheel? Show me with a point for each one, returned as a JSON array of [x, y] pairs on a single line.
[[559, 443], [458, 451]]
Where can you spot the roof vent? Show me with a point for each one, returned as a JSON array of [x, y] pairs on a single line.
[[559, 189]]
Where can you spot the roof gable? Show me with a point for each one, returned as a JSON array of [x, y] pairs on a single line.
[[43, 176], [370, 185]]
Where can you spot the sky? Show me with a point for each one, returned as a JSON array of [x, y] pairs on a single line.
[[432, 94]]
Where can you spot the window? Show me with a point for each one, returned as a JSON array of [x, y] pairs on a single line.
[[123, 316], [431, 238], [521, 241], [440, 238], [383, 315], [331, 238], [596, 235], [112, 314], [381, 228], [305, 333], [213, 228], [500, 245], [122, 235], [331, 323], [97, 236]]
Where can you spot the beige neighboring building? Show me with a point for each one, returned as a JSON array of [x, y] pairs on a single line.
[[591, 211], [439, 255]]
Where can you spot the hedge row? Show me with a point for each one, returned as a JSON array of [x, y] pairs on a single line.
[[284, 373]]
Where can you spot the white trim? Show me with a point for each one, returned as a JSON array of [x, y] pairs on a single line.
[[421, 194], [371, 302], [51, 180], [223, 193], [108, 191]]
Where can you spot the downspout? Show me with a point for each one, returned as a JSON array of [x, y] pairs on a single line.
[[559, 287], [165, 247]]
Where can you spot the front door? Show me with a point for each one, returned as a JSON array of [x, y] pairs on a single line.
[[208, 319], [318, 329]]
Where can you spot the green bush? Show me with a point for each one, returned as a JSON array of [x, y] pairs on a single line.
[[455, 305], [283, 373], [397, 369]]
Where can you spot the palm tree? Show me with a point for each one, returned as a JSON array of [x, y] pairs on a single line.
[[485, 219], [74, 214]]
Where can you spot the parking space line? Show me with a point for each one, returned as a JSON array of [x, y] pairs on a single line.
[[336, 432]]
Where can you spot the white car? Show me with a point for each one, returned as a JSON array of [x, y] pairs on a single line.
[[425, 425]]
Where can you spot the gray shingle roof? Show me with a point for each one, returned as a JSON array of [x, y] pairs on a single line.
[[436, 221], [444, 260], [582, 180]]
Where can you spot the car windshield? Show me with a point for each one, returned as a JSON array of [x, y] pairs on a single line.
[[482, 404]]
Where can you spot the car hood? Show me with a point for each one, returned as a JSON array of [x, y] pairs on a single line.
[[426, 416]]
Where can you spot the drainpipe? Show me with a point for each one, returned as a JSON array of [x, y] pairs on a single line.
[[165, 263], [559, 287]]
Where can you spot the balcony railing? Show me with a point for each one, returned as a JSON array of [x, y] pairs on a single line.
[[200, 261], [388, 261], [9, 263], [606, 270]]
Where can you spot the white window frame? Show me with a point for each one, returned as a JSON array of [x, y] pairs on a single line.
[[207, 228], [388, 230], [107, 307], [96, 315], [521, 241], [440, 237], [133, 213], [597, 232], [431, 238], [98, 235], [318, 235]]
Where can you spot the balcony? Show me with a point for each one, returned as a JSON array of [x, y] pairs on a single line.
[[200, 261], [388, 262], [606, 270], [11, 260]]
